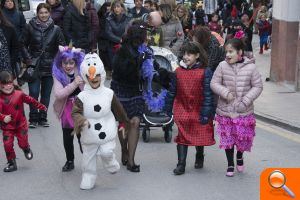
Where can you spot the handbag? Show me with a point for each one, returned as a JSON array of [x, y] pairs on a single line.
[[31, 72]]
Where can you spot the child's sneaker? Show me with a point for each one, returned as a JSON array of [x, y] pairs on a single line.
[[230, 171], [28, 153], [68, 166], [240, 165], [44, 124], [12, 166], [33, 124]]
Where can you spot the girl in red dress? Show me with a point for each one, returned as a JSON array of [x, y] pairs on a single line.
[[13, 120], [192, 101]]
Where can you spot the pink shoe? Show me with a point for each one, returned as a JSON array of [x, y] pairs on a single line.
[[240, 167], [230, 171]]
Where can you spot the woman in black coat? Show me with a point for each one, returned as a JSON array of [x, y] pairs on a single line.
[[9, 46], [115, 27], [15, 16], [41, 34], [126, 83], [75, 25], [103, 43]]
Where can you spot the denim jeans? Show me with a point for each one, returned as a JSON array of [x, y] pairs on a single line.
[[41, 86]]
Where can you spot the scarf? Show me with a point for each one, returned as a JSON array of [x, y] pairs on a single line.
[[155, 102]]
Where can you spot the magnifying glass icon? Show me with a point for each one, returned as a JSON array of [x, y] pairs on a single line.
[[277, 180]]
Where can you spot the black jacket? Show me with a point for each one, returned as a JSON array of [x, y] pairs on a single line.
[[138, 15], [126, 66], [13, 44], [34, 38], [17, 19], [76, 28], [115, 28]]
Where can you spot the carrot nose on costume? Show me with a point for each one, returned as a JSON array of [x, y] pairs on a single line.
[[92, 72]]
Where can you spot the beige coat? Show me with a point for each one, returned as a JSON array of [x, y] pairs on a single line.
[[243, 81]]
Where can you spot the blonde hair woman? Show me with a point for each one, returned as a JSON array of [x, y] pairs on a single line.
[[80, 5], [75, 25], [182, 14]]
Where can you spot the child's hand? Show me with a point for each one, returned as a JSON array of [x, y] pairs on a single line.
[[204, 120], [241, 107], [7, 119], [87, 124], [78, 80], [230, 97]]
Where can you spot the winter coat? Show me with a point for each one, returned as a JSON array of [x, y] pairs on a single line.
[[243, 81], [193, 106], [138, 15], [17, 19], [61, 94], [34, 38], [115, 29], [170, 32], [57, 14], [215, 26], [93, 24], [103, 42], [76, 28], [12, 45], [264, 28], [126, 66], [206, 111], [215, 53]]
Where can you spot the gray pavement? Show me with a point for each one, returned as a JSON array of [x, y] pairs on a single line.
[[278, 103], [42, 179]]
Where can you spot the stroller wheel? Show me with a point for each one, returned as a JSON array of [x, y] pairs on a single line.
[[146, 135], [168, 135]]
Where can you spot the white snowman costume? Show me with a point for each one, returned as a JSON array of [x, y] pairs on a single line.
[[98, 139]]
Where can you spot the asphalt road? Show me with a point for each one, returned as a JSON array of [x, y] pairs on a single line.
[[42, 179]]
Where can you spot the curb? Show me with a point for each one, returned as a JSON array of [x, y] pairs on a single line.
[[277, 122]]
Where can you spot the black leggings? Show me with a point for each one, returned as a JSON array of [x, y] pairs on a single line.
[[68, 143], [230, 154]]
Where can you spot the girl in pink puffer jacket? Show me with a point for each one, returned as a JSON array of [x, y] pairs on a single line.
[[238, 83], [67, 85]]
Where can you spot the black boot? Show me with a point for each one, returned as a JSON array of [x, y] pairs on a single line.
[[28, 153], [12, 166], [68, 166], [182, 152], [199, 157]]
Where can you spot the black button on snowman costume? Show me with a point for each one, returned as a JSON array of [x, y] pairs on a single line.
[[92, 113]]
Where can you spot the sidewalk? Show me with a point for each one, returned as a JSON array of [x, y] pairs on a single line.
[[277, 104]]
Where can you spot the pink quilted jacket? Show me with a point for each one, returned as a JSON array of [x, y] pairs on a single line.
[[61, 95], [243, 81]]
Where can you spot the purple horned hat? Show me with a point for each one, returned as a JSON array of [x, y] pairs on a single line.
[[67, 52]]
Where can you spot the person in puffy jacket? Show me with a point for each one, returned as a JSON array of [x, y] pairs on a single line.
[[115, 27], [173, 35], [57, 12], [41, 41], [193, 105], [238, 83], [76, 25]]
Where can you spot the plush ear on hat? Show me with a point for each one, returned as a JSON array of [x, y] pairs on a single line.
[[61, 48]]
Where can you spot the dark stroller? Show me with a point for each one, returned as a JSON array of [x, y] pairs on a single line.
[[166, 59]]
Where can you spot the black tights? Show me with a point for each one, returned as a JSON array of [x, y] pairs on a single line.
[[68, 143], [230, 154]]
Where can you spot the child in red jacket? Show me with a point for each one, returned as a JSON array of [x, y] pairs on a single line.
[[13, 119]]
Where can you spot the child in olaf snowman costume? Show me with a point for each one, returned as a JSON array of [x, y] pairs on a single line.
[[94, 112]]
